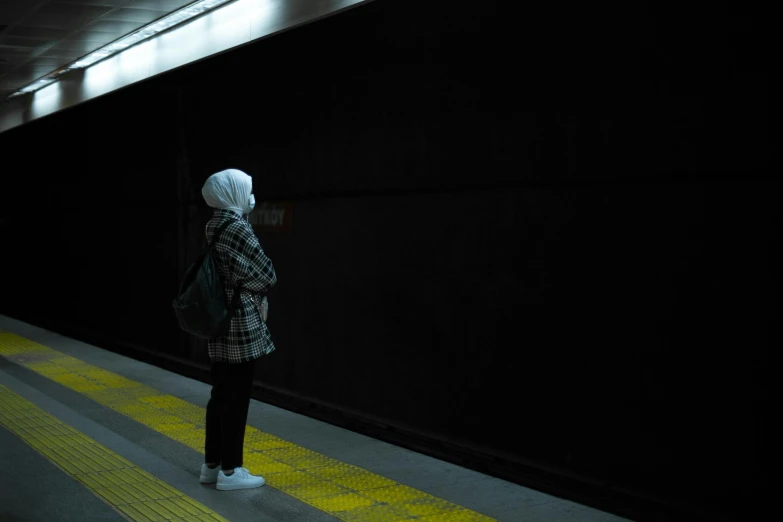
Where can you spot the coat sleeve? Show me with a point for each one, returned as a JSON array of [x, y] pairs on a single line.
[[249, 266]]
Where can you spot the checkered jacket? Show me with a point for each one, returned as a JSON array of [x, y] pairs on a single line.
[[241, 262]]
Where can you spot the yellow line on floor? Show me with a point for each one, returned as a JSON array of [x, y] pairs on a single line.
[[133, 492], [344, 491]]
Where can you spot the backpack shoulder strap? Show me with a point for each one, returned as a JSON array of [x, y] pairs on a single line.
[[236, 301], [219, 231]]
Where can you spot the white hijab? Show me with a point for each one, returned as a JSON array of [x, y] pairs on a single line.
[[229, 189]]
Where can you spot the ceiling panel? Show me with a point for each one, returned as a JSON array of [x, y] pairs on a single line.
[[81, 46], [33, 71], [115, 28], [68, 10], [111, 3], [88, 34], [11, 80], [24, 43], [11, 11], [65, 16], [140, 16], [45, 61], [67, 56], [41, 34], [36, 32], [163, 5], [13, 53]]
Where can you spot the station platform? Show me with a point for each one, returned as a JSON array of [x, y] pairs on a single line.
[[89, 435]]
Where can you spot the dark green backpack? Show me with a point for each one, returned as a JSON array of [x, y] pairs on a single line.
[[201, 306]]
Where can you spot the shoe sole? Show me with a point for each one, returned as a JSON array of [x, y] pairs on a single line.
[[234, 487], [207, 481]]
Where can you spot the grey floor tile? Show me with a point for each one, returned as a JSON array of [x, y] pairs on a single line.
[[497, 498], [492, 496], [37, 490], [559, 511]]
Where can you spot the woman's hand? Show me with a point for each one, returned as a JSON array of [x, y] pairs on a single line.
[[264, 308]]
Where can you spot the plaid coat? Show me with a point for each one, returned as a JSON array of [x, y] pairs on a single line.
[[241, 261]]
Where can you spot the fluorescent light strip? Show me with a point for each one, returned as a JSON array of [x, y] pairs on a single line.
[[145, 33], [38, 84]]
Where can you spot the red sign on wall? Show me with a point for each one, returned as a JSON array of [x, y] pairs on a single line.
[[269, 216]]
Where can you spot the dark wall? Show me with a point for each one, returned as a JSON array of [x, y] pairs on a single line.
[[90, 217], [546, 236]]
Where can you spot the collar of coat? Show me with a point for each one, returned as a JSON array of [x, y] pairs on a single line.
[[223, 213]]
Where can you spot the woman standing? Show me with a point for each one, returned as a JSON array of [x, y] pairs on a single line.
[[246, 269]]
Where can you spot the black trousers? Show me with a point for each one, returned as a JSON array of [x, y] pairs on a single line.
[[227, 413]]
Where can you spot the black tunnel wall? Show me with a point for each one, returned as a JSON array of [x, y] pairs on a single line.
[[89, 218], [547, 237]]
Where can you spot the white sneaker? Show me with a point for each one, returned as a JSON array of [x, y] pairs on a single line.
[[240, 479], [209, 476]]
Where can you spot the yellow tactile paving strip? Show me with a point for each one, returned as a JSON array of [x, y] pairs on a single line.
[[344, 491], [133, 492]]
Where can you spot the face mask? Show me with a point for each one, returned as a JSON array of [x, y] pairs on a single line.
[[251, 203]]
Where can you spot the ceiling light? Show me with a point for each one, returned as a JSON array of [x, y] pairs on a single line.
[[145, 33]]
